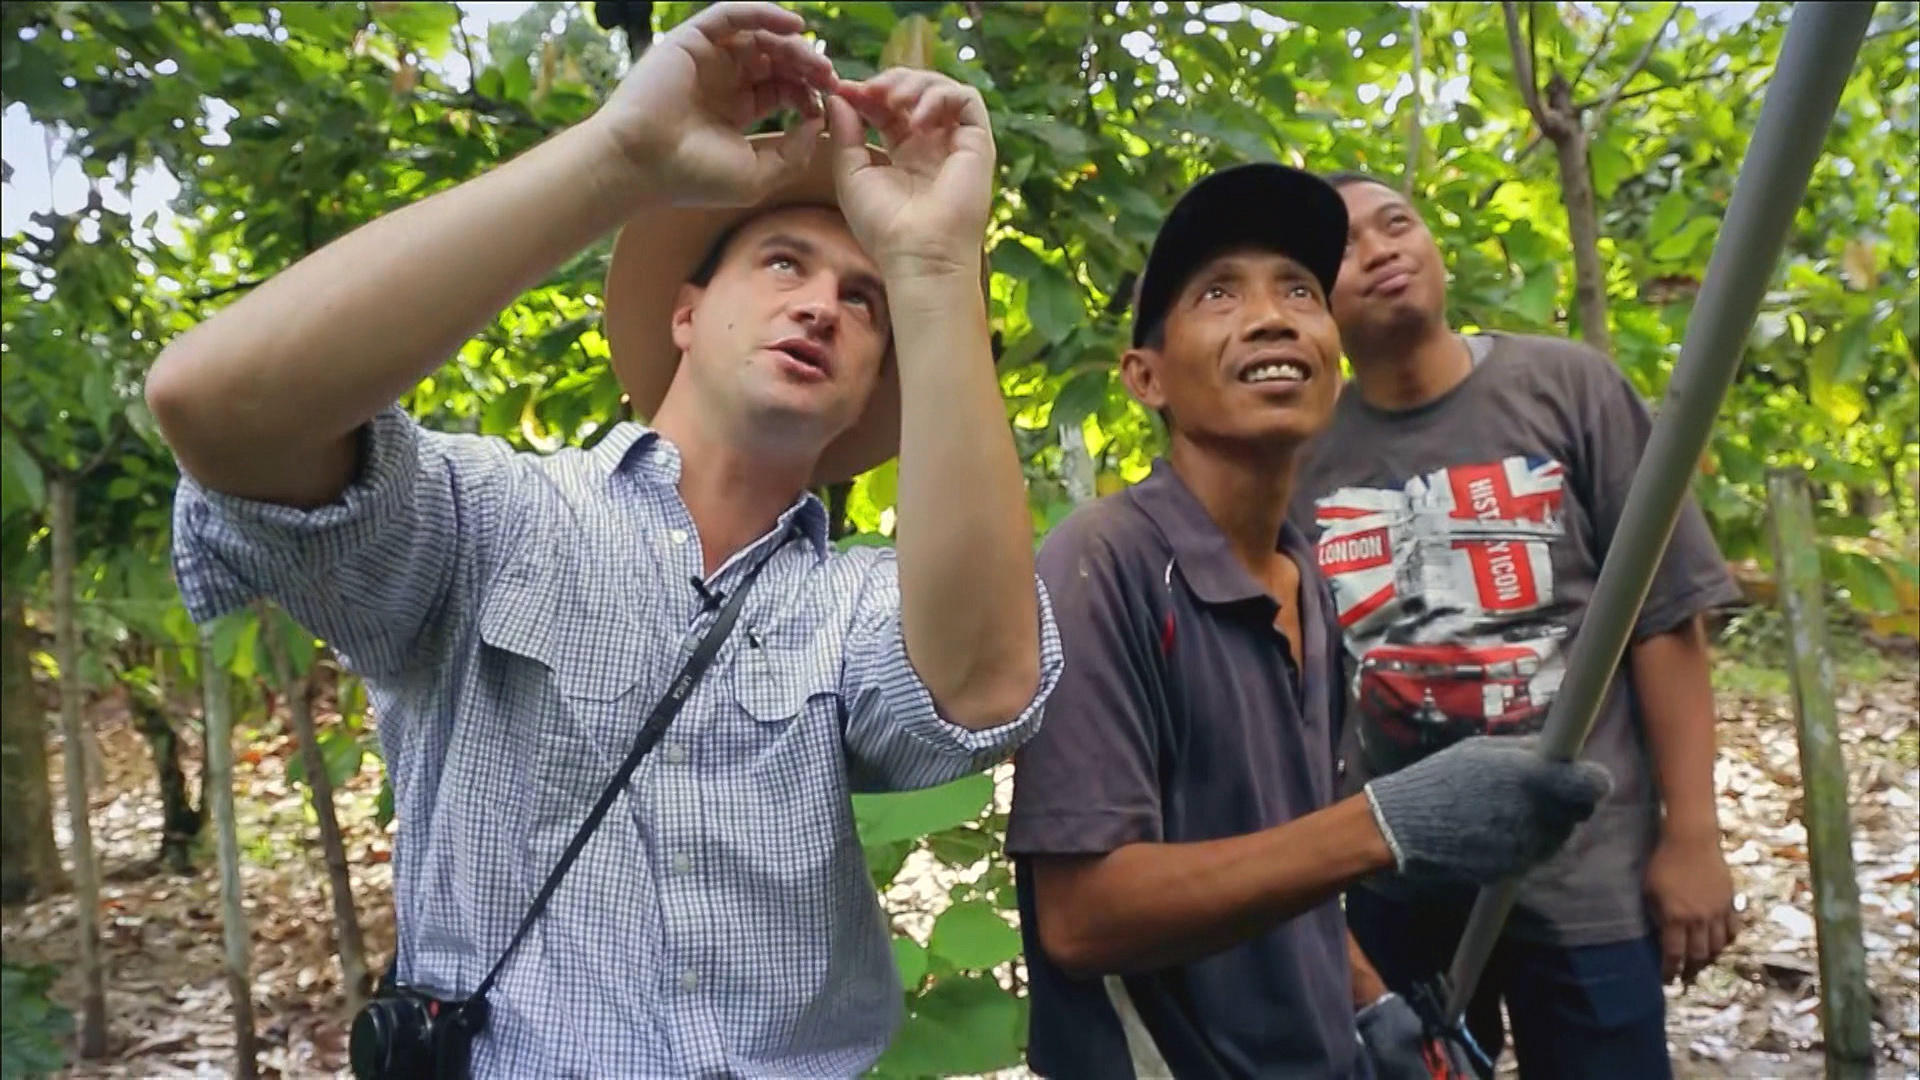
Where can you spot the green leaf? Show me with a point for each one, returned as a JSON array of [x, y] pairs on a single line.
[[34, 1029], [1063, 139], [1610, 165], [962, 1025], [22, 487], [1855, 359], [963, 846], [910, 958], [96, 392], [885, 860], [1081, 396], [502, 414], [34, 78], [1871, 584], [342, 752], [383, 803], [972, 936], [1017, 260], [518, 83], [1278, 89], [1053, 303], [229, 634], [907, 815], [1534, 300], [1686, 242], [1668, 215]]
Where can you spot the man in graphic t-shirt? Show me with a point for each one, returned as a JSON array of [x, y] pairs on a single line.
[[1461, 503]]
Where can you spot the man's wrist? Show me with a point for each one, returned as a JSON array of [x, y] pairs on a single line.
[[614, 168], [929, 297], [1695, 826], [931, 269]]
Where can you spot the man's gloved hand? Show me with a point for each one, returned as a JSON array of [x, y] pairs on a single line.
[[1483, 809], [1399, 1047]]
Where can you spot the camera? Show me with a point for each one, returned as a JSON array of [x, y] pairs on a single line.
[[406, 1032]]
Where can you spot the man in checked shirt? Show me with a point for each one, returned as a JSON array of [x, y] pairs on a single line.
[[788, 311]]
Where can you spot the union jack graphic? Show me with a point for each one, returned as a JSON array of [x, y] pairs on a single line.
[[1443, 588]]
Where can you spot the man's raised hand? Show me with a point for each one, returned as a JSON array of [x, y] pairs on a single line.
[[924, 211], [680, 116]]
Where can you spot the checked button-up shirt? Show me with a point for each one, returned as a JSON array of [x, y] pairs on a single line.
[[515, 616]]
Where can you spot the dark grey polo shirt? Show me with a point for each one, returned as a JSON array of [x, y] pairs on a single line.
[[1180, 717]]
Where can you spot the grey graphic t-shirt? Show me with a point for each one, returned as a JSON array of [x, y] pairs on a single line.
[[1463, 540]]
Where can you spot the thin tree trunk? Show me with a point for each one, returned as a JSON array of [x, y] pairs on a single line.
[[29, 859], [1583, 221], [1846, 1004], [86, 874], [179, 820], [1077, 472], [233, 916], [346, 922], [1416, 137]]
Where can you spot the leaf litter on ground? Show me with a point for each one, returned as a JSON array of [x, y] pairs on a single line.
[[1754, 1014]]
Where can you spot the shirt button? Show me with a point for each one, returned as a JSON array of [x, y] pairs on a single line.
[[689, 981], [682, 863], [676, 754], [678, 536]]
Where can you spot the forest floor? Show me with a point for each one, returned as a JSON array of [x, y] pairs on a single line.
[[1753, 1015]]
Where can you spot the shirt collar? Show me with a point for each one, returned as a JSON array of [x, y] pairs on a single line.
[[635, 450], [1200, 548]]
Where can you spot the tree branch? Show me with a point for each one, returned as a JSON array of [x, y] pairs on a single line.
[[26, 447], [1649, 91], [1526, 151], [115, 433], [1639, 64], [215, 294], [466, 49], [1523, 64], [1606, 34]]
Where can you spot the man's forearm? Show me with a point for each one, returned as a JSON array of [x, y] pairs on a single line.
[[965, 538], [253, 398], [1673, 680], [1149, 906], [1368, 986]]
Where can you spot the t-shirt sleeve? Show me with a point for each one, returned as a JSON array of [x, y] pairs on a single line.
[[1088, 782], [1692, 577]]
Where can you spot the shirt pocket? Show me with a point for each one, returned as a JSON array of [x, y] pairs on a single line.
[[773, 685], [582, 646]]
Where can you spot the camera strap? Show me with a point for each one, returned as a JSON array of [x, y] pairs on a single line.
[[663, 713]]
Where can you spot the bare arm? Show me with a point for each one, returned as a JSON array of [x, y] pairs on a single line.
[[263, 400], [967, 596], [1368, 986], [1687, 879], [1150, 905]]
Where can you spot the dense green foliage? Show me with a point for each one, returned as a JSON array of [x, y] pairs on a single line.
[[288, 125], [32, 1028]]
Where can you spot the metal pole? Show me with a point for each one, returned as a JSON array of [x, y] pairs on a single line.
[[1816, 58]]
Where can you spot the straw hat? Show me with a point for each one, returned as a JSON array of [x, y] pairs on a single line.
[[655, 252]]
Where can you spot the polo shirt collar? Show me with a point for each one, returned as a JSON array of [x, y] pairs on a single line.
[[1199, 547]]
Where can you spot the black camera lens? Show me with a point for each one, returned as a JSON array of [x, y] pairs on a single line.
[[392, 1037]]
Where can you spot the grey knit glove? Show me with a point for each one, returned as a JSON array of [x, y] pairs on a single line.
[[1483, 809]]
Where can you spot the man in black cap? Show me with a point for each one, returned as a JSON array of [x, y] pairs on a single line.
[[1179, 849]]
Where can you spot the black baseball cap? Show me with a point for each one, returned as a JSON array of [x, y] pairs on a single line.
[[1263, 204]]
